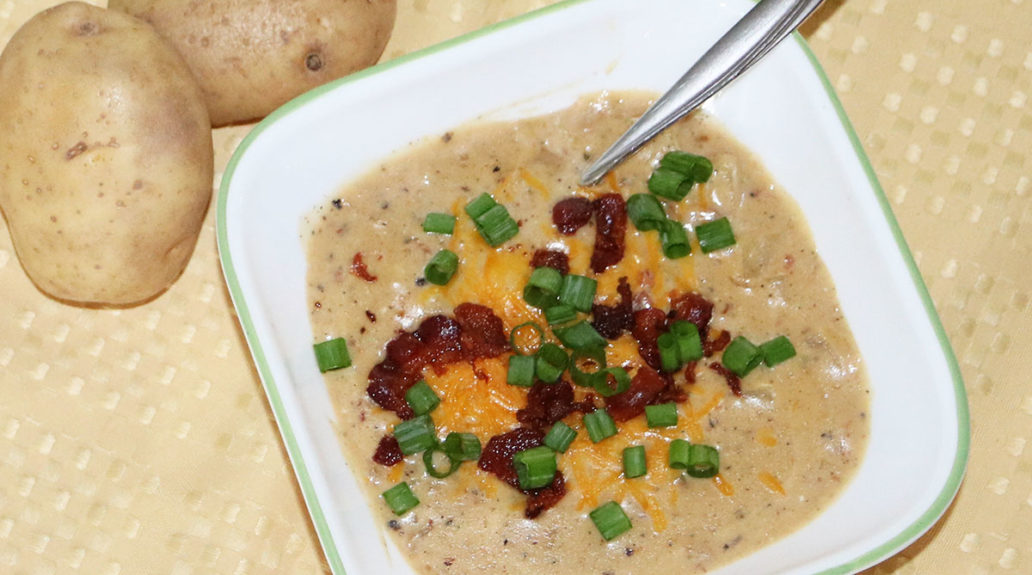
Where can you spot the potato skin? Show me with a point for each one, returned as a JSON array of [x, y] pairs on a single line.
[[106, 159], [251, 56]]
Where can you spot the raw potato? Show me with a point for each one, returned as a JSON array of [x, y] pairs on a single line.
[[251, 56], [106, 159]]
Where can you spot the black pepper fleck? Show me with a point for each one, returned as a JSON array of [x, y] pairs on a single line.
[[338, 203]]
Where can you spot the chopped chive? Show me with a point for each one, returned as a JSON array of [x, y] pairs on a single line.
[[461, 446], [678, 453], [696, 168], [634, 461], [580, 336], [600, 425], [661, 415], [496, 226], [421, 398], [517, 345], [593, 359], [440, 269], [645, 212], [332, 354], [610, 520], [542, 289], [669, 359], [431, 466], [715, 235], [415, 435], [535, 467], [689, 342], [560, 314], [666, 183], [674, 240], [521, 370], [741, 356], [777, 350], [400, 498], [560, 437], [695, 459], [550, 363], [438, 223], [578, 292], [619, 375], [480, 205]]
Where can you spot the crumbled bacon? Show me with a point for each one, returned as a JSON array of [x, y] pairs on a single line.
[[554, 259], [571, 214], [648, 387], [611, 321], [359, 269], [649, 324], [546, 497], [497, 458], [483, 333], [732, 380], [693, 307], [387, 451], [547, 403], [711, 346], [610, 231]]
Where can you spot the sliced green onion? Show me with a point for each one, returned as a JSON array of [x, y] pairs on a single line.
[[514, 339], [580, 336], [551, 362], [542, 290], [645, 212], [496, 226], [400, 498], [696, 168], [715, 235], [619, 375], [332, 354], [610, 520], [535, 467], [695, 459], [666, 183], [560, 314], [415, 435], [480, 205], [741, 356], [421, 398], [689, 342], [521, 370], [669, 360], [438, 223], [674, 240], [777, 350], [578, 291], [461, 446], [431, 467], [594, 359], [600, 425], [661, 415], [634, 461], [440, 269], [560, 437]]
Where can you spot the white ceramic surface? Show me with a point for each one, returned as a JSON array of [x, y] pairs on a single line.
[[783, 109]]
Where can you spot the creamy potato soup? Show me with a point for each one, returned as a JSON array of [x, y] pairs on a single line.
[[729, 368]]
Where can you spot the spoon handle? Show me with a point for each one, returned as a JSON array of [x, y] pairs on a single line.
[[762, 28]]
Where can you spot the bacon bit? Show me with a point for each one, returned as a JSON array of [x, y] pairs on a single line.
[[648, 387], [694, 308], [387, 451], [571, 214], [497, 457], [612, 321], [711, 346], [546, 497], [610, 231], [370, 316], [648, 325], [483, 333], [547, 403], [551, 259], [732, 380], [359, 270]]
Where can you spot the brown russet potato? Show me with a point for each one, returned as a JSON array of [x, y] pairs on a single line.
[[106, 159], [251, 56]]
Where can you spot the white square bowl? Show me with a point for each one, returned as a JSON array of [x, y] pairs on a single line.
[[783, 109]]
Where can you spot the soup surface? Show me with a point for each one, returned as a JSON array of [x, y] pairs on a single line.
[[789, 436]]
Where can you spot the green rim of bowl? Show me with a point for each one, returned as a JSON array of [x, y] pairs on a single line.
[[882, 551]]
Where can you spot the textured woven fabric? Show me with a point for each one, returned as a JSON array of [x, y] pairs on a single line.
[[140, 440]]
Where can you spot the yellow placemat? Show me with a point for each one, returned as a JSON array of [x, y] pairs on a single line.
[[140, 441]]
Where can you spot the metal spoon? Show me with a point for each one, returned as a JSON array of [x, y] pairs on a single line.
[[762, 28]]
